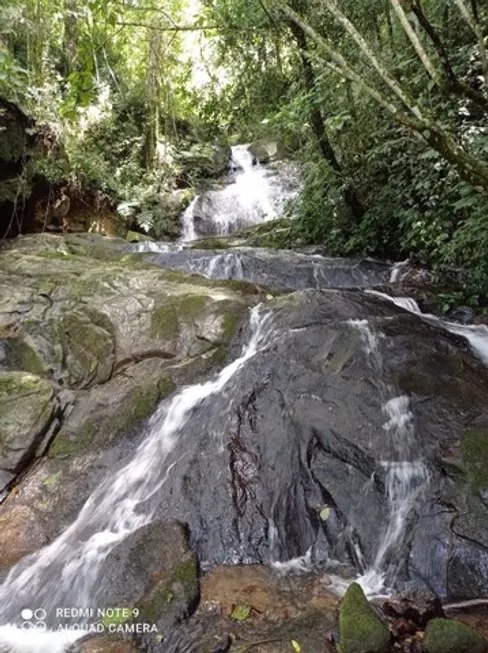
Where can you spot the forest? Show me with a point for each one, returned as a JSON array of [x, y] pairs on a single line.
[[243, 326], [382, 102]]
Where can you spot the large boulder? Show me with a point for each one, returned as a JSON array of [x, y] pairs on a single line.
[[279, 269], [91, 340], [154, 571], [310, 437]]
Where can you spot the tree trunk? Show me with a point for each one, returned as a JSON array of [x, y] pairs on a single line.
[[153, 99], [450, 83], [318, 126], [70, 36], [471, 169]]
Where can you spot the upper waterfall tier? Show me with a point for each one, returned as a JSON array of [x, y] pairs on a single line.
[[255, 193]]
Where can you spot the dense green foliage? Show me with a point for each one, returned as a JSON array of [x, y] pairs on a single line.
[[385, 103], [416, 198]]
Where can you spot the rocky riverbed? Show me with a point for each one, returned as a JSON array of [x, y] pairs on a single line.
[[323, 435]]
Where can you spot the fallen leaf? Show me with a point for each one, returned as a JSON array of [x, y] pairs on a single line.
[[324, 513], [241, 612]]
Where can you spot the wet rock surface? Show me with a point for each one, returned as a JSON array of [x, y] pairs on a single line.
[[308, 413], [279, 269], [291, 460], [90, 341]]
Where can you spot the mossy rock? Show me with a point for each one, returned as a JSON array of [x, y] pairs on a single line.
[[27, 406], [22, 355], [134, 406], [137, 237], [68, 444], [166, 318], [88, 346], [447, 636], [474, 446], [173, 596], [211, 243], [140, 403], [360, 628]]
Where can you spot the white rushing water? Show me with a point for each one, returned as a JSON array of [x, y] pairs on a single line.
[[475, 334], [257, 194], [68, 571], [406, 475]]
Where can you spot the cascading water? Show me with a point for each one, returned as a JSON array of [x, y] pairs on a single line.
[[406, 475], [68, 571], [258, 193], [475, 334]]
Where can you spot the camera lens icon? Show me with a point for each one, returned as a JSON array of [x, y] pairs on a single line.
[[33, 619]]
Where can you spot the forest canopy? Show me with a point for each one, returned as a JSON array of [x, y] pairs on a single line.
[[383, 102]]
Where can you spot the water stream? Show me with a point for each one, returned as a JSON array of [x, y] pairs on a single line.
[[258, 193], [68, 571], [406, 475], [475, 334]]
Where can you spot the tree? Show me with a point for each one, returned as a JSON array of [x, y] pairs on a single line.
[[399, 102]]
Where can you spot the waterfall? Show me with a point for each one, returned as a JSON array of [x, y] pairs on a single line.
[[188, 232], [257, 193], [406, 475], [69, 570]]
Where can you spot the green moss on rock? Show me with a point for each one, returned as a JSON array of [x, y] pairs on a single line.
[[140, 404], [69, 444], [474, 446], [22, 355], [211, 243], [360, 628], [447, 636], [173, 594], [27, 406], [187, 573], [164, 322], [167, 317], [88, 346]]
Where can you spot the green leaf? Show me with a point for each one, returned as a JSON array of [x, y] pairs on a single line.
[[296, 646], [241, 612]]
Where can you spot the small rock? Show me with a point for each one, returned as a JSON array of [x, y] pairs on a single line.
[[462, 314], [447, 636], [405, 627]]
